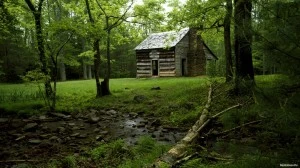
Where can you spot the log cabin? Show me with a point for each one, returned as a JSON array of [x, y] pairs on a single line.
[[173, 53]]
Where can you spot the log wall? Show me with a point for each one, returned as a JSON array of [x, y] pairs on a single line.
[[166, 62], [143, 63]]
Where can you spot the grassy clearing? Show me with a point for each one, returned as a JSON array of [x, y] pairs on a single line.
[[176, 101]]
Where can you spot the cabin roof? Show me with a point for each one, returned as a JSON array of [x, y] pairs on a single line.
[[170, 39], [162, 40], [208, 53]]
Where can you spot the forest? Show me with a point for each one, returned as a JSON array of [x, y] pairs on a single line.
[[70, 95]]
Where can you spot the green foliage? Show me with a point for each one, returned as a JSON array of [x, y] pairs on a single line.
[[247, 161], [211, 69], [274, 104], [194, 163], [110, 154], [276, 33], [144, 153], [151, 15], [15, 54], [145, 145], [69, 162], [87, 56]]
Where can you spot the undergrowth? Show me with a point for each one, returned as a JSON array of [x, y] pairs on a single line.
[[115, 154], [274, 103]]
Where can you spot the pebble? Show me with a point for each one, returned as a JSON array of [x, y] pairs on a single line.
[[34, 141], [3, 120], [75, 134], [30, 126], [96, 130], [20, 138], [104, 132], [71, 124]]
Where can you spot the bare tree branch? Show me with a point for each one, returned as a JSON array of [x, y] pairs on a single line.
[[238, 127], [101, 8], [119, 19], [89, 11], [276, 48]]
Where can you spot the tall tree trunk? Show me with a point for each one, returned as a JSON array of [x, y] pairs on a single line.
[[105, 82], [84, 70], [62, 71], [227, 41], [243, 39], [96, 48], [41, 49], [37, 13]]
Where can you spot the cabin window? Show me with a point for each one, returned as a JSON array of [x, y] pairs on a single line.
[[154, 54]]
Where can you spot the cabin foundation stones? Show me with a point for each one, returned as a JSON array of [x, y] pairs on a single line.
[[173, 53]]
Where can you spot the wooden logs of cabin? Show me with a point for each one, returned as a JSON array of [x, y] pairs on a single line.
[[165, 58]]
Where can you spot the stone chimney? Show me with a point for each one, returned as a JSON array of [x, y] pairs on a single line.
[[196, 60]]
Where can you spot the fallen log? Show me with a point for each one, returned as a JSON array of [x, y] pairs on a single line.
[[179, 150]]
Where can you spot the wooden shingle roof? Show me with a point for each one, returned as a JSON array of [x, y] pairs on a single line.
[[162, 40]]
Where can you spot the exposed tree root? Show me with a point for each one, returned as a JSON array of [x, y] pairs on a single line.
[[177, 152]]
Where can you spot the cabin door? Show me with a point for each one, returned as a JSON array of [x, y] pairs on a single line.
[[154, 67], [183, 63]]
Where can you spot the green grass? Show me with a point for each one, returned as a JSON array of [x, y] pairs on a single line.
[[144, 153], [177, 102]]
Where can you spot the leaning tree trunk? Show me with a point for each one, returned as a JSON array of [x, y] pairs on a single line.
[[243, 39], [227, 41], [177, 152]]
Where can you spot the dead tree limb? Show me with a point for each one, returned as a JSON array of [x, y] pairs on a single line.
[[179, 150], [185, 159], [238, 127], [224, 111]]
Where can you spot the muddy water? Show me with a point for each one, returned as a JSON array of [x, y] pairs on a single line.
[[131, 129]]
